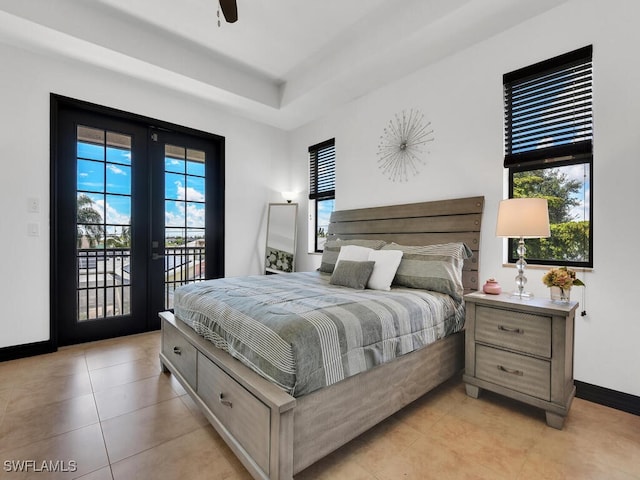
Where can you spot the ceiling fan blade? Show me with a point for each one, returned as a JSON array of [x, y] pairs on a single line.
[[229, 10]]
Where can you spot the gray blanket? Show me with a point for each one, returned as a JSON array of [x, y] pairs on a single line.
[[302, 333]]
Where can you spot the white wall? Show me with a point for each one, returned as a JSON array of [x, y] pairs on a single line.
[[255, 167], [462, 96]]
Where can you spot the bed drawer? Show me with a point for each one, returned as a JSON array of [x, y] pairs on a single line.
[[180, 352], [518, 372], [519, 331], [246, 417]]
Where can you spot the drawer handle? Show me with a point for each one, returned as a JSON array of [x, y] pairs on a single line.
[[519, 373], [518, 331], [177, 350], [226, 403]]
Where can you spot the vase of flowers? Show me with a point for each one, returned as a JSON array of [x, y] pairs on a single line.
[[560, 280]]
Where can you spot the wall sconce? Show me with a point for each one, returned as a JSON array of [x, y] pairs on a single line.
[[523, 218], [289, 196]]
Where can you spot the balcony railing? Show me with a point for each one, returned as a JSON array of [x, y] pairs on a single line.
[[104, 278]]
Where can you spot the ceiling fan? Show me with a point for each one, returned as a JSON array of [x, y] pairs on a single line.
[[229, 10]]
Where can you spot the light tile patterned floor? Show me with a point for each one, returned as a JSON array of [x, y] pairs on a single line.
[[107, 407]]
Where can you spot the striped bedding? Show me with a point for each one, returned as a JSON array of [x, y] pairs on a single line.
[[303, 334]]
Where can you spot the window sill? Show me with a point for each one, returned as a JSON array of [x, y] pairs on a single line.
[[533, 266]]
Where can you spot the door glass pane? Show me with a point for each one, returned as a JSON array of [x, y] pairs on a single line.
[[90, 176], [118, 209], [184, 218], [174, 213], [195, 214], [195, 188], [118, 179], [103, 213]]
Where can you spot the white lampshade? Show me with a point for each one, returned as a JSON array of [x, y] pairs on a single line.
[[523, 217]]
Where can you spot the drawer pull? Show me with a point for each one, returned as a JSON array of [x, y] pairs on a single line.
[[518, 331], [519, 373], [226, 403], [177, 350]]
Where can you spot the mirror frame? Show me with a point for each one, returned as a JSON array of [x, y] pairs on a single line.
[[269, 265]]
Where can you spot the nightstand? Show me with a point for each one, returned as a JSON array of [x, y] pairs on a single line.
[[522, 349]]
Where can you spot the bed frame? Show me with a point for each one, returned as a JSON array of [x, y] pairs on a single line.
[[276, 435]]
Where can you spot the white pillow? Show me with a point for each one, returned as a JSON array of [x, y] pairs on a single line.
[[387, 262], [355, 253]]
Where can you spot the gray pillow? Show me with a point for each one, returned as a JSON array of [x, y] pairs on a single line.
[[352, 274], [332, 250], [432, 267]]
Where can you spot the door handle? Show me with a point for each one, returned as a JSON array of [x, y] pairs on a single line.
[[156, 256]]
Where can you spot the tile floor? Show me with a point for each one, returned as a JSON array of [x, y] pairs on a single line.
[[107, 407]]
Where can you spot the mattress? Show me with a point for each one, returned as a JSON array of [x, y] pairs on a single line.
[[302, 333]]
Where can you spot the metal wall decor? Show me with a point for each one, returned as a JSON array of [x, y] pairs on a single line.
[[403, 144]]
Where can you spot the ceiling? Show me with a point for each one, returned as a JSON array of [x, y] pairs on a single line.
[[284, 63]]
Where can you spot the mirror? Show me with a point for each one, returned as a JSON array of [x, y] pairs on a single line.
[[281, 237]]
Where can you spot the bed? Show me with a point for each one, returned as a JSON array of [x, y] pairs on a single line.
[[277, 431]]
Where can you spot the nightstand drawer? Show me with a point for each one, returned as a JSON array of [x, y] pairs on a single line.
[[517, 372], [514, 330]]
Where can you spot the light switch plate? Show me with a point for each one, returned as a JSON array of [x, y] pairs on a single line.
[[33, 229], [33, 205]]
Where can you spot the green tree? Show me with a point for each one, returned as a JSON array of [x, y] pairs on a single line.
[[569, 240], [552, 184], [89, 222]]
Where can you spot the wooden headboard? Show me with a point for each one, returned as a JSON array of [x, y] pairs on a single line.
[[426, 223]]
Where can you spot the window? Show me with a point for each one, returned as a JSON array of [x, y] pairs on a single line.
[[322, 189], [549, 152]]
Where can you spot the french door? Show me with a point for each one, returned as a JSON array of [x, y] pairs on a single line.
[[137, 210]]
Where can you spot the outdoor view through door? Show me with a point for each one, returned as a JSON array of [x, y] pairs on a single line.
[[184, 215], [103, 223], [138, 210]]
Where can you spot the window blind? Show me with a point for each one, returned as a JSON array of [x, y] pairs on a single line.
[[322, 170], [548, 114]]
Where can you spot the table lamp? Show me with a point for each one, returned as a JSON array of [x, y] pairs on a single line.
[[523, 218]]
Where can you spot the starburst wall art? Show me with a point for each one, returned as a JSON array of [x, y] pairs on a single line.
[[403, 145]]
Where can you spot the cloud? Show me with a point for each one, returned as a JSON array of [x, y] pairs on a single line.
[[116, 170], [195, 215], [176, 216], [113, 215], [189, 193]]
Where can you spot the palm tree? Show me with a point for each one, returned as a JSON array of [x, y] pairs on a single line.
[[89, 221], [121, 241]]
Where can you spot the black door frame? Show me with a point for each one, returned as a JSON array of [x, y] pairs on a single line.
[[215, 199]]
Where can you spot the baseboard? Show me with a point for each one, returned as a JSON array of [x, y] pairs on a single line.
[[610, 398], [26, 350]]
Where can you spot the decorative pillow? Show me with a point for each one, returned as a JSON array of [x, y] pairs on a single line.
[[384, 270], [355, 253], [332, 249], [352, 274], [432, 267]]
